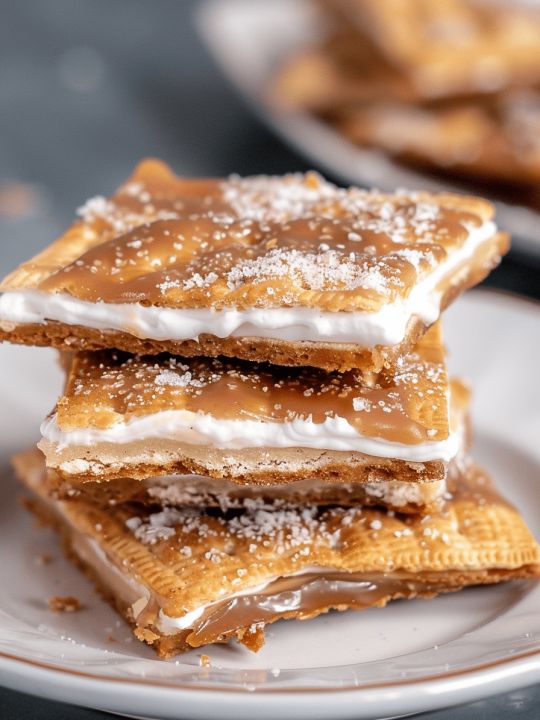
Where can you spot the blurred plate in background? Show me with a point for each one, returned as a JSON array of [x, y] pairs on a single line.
[[250, 38]]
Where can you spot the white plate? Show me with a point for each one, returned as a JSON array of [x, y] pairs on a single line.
[[411, 656], [249, 39]]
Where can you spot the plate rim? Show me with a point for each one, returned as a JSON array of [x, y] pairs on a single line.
[[358, 704], [238, 690]]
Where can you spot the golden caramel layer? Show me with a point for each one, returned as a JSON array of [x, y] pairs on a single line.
[[259, 242]]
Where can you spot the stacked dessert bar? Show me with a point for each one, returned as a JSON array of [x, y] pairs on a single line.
[[257, 421]]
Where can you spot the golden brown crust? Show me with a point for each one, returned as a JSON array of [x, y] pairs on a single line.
[[244, 243], [478, 528], [224, 494], [107, 388], [216, 491], [253, 638], [107, 391], [275, 465], [328, 356], [255, 243]]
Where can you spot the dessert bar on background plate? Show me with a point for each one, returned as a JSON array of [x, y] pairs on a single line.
[[381, 87], [497, 46], [290, 270]]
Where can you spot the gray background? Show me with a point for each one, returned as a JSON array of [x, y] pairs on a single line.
[[88, 87]]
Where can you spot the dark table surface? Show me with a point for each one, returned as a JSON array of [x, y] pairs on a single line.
[[88, 87]]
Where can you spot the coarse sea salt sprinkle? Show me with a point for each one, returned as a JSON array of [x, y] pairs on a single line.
[[266, 198], [259, 202], [361, 404], [283, 525], [169, 377], [316, 271]]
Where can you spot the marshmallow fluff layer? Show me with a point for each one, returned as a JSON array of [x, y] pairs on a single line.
[[197, 429]]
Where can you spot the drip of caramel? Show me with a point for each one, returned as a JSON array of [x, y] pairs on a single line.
[[308, 594]]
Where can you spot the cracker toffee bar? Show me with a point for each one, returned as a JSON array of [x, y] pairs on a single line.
[[185, 577], [138, 417], [290, 270]]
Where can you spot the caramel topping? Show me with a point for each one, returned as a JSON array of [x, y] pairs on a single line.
[[262, 241], [408, 407], [309, 594]]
